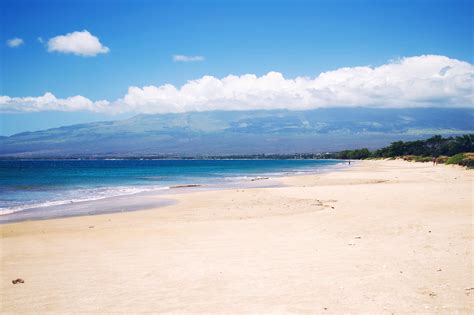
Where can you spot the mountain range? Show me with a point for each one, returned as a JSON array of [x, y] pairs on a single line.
[[239, 132]]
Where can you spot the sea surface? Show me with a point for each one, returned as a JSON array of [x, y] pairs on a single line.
[[27, 185]]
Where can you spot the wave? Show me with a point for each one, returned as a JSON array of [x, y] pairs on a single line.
[[83, 196], [149, 182]]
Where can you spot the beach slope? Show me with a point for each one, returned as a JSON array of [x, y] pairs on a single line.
[[380, 236]]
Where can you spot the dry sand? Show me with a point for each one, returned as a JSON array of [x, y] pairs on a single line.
[[381, 237]]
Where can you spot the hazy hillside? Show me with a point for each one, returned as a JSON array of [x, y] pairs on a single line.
[[231, 132]]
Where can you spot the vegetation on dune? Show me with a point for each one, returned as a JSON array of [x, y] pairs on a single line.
[[417, 158], [434, 147], [442, 159], [354, 154], [450, 150], [464, 159], [455, 159]]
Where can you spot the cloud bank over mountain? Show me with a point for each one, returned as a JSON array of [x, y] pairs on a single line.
[[411, 82]]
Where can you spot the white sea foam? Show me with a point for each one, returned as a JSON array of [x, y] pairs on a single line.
[[85, 195]]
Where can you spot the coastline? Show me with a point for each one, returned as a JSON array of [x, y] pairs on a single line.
[[380, 236], [145, 197]]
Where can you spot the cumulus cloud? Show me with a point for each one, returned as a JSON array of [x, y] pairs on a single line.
[[421, 81], [49, 102], [183, 58], [77, 43], [15, 42]]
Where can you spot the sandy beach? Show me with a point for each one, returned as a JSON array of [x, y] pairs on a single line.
[[378, 237]]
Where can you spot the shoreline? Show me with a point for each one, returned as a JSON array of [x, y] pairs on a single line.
[[140, 201], [381, 236]]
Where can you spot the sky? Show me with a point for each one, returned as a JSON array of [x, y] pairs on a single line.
[[65, 62]]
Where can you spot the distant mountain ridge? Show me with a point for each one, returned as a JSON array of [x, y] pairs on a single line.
[[240, 132]]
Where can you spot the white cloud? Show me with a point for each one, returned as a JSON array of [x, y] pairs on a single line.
[[49, 102], [183, 58], [421, 81], [15, 42], [77, 43]]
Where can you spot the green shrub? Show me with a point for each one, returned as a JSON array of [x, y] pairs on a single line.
[[417, 158], [409, 158], [463, 159], [419, 150], [423, 159], [442, 159], [455, 159], [434, 146], [468, 160], [359, 154]]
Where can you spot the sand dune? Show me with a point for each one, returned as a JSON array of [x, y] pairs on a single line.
[[381, 237]]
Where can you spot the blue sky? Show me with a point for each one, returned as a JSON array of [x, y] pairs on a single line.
[[294, 38]]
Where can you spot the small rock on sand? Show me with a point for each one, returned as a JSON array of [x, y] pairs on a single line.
[[19, 280], [258, 178], [186, 186]]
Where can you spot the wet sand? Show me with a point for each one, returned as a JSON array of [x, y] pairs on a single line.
[[379, 237]]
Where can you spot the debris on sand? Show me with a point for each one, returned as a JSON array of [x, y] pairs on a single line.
[[19, 280], [185, 186], [258, 178]]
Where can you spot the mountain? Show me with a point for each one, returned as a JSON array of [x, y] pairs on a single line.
[[240, 132]]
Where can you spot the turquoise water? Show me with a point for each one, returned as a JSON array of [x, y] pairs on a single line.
[[32, 184]]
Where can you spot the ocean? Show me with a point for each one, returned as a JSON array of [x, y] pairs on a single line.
[[36, 187]]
